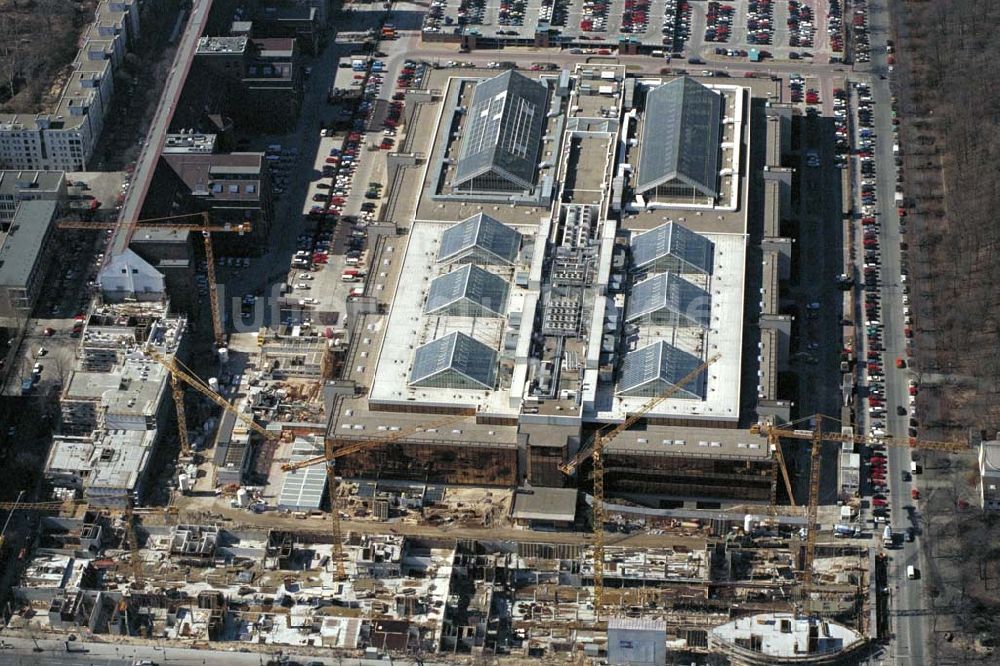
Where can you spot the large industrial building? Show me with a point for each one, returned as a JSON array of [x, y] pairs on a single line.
[[603, 262]]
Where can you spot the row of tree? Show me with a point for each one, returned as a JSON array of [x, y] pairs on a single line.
[[947, 71], [38, 41]]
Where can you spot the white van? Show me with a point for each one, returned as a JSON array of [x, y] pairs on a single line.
[[911, 572]]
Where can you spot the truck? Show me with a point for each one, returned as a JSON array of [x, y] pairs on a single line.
[[845, 531], [887, 537], [358, 64]]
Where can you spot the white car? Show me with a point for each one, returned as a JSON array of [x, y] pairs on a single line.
[[301, 285], [305, 276]]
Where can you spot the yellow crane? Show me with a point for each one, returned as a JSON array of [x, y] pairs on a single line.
[[128, 517], [138, 578], [817, 436], [571, 466], [329, 457], [180, 373], [596, 452], [206, 228]]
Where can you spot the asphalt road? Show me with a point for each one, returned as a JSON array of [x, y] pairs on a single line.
[[150, 153], [910, 643], [17, 651]]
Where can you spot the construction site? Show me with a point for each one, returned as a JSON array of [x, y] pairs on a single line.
[[411, 595], [562, 438]]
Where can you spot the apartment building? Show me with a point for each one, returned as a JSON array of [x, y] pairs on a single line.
[[64, 137], [18, 186]]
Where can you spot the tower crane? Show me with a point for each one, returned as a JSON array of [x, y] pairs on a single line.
[[206, 229], [128, 518], [571, 466], [817, 436], [329, 458], [180, 373], [138, 578], [596, 453]]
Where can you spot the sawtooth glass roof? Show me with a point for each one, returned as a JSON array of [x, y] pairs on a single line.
[[672, 247], [670, 299], [680, 137], [653, 369], [469, 291], [481, 240], [454, 361], [303, 489], [503, 134]]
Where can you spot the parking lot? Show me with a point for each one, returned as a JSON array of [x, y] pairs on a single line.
[[330, 185], [806, 30]]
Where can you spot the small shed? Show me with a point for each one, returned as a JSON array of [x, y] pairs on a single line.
[[545, 507]]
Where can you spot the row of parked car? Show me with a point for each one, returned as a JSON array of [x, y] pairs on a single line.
[[840, 127], [635, 19], [718, 22], [834, 28], [676, 24], [799, 93], [862, 43], [594, 16], [801, 31], [760, 22], [872, 233], [555, 12], [875, 360], [512, 12]]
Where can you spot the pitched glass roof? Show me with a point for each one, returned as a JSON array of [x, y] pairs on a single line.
[[680, 137], [455, 360], [672, 240], [496, 242], [656, 367], [468, 291], [672, 294], [503, 130]]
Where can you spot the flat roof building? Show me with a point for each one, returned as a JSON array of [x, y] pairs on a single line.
[[64, 136], [24, 257], [108, 468], [545, 506], [18, 186]]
